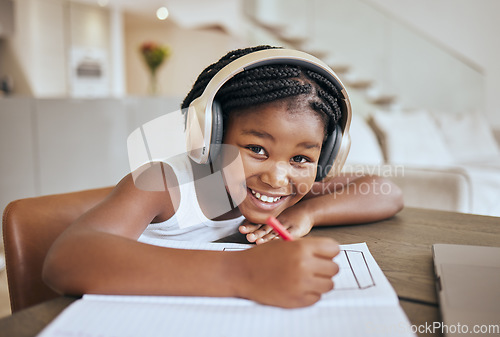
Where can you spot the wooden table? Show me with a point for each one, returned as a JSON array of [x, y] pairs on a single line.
[[400, 245]]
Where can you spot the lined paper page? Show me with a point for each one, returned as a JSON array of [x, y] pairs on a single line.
[[362, 304], [113, 319]]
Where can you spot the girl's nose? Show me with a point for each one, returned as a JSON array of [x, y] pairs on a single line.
[[276, 175]]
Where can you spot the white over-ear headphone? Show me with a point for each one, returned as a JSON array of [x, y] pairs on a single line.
[[204, 127]]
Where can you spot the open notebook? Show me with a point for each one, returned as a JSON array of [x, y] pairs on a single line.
[[363, 303]]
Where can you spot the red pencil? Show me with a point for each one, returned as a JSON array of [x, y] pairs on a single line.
[[278, 227]]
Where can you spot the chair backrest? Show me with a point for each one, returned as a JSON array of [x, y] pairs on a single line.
[[30, 226]]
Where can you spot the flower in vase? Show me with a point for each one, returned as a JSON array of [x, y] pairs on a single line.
[[154, 55]]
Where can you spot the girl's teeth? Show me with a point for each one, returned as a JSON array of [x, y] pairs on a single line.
[[265, 198]]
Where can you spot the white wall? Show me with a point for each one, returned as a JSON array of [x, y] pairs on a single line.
[[17, 149], [37, 55], [468, 27], [61, 145], [38, 45], [192, 51], [89, 42]]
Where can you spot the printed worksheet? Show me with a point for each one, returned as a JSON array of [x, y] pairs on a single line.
[[363, 303]]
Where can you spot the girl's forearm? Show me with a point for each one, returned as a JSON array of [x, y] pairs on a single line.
[[282, 273], [364, 200], [94, 262]]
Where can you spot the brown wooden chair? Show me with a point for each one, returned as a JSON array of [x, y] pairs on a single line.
[[30, 226]]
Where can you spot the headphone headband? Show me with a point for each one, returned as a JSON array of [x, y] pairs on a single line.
[[200, 119]]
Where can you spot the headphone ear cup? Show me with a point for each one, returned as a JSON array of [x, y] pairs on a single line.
[[329, 152], [217, 130]]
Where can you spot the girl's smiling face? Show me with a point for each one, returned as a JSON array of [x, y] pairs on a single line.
[[280, 145]]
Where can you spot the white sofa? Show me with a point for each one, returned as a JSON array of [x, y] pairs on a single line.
[[440, 160]]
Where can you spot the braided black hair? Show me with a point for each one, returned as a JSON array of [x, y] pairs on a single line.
[[269, 83]]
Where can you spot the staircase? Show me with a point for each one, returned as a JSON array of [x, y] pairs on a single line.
[[384, 64]]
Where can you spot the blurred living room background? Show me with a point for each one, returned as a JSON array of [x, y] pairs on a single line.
[[423, 79]]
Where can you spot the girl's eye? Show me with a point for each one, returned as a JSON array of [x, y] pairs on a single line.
[[300, 159], [256, 149]]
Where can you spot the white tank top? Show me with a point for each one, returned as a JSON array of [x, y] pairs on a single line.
[[195, 225]]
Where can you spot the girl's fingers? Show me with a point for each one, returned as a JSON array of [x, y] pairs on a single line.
[[264, 233], [248, 228], [271, 235], [254, 232], [258, 234]]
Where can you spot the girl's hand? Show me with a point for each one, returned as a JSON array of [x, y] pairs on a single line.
[[295, 220], [287, 274]]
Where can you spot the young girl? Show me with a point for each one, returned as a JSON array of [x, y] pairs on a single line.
[[278, 117]]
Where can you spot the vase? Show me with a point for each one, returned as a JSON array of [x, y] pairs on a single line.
[[153, 84]]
